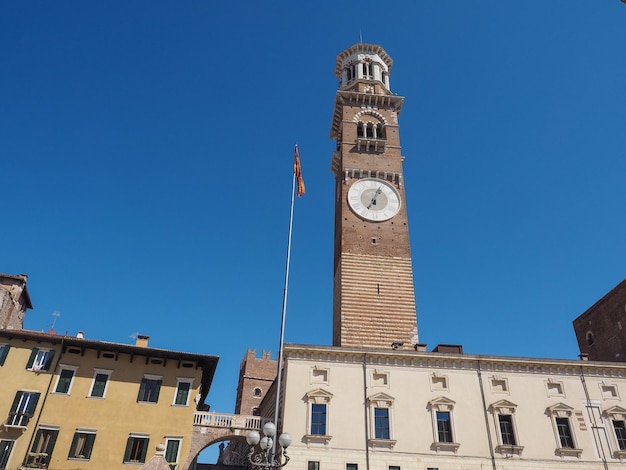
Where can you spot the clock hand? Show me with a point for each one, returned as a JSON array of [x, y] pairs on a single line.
[[373, 201]]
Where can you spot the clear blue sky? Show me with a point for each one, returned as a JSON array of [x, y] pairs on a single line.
[[146, 161]]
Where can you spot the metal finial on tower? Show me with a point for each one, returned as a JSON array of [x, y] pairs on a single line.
[[360, 36]]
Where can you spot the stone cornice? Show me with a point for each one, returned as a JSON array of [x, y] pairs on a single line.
[[469, 362]]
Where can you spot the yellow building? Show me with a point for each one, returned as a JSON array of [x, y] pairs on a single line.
[[74, 403]]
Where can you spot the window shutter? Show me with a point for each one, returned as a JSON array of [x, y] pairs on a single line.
[[16, 401], [31, 359], [3, 353], [129, 446], [142, 390], [36, 441], [53, 439], [32, 404], [171, 451], [157, 389], [144, 451], [73, 446], [48, 363], [91, 439]]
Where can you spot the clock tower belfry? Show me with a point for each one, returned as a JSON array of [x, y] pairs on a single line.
[[374, 299]]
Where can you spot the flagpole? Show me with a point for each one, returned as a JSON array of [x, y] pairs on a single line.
[[284, 314]]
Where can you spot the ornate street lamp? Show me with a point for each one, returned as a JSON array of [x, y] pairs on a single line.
[[267, 458]]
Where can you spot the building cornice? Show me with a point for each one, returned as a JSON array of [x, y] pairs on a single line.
[[469, 362]]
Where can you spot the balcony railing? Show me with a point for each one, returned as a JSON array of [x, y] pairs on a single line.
[[221, 420]]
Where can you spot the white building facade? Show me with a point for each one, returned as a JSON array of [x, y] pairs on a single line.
[[351, 409]]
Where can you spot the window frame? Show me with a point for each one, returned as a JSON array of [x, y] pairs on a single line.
[[381, 401], [506, 408], [149, 395], [182, 380], [179, 439], [130, 443], [21, 412], [318, 410], [5, 455], [90, 439], [616, 414], [443, 405], [40, 365], [563, 413], [42, 455], [97, 372], [318, 397], [65, 367]]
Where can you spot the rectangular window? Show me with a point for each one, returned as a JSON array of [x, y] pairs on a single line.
[[381, 423], [506, 430], [394, 467], [4, 350], [43, 445], [100, 382], [352, 466], [620, 433], [313, 465], [23, 408], [565, 433], [318, 420], [82, 445], [172, 449], [182, 392], [149, 389], [5, 453], [40, 359], [444, 427], [64, 381], [136, 449]]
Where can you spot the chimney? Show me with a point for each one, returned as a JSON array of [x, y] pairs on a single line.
[[142, 341], [80, 334]]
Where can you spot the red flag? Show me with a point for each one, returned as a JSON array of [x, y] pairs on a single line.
[[297, 170]]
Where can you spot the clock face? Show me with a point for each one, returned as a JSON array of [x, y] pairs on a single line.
[[374, 199]]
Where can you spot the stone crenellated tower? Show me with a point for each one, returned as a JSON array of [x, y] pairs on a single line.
[[14, 301], [374, 300]]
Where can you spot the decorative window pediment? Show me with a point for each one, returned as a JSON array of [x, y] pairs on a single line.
[[319, 396], [616, 412], [560, 410], [381, 400], [503, 407], [441, 404]]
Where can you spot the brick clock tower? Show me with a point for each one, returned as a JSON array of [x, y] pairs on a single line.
[[374, 299]]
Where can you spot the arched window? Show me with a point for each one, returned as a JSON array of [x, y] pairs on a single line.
[[380, 131], [369, 130], [590, 339], [257, 392], [359, 130]]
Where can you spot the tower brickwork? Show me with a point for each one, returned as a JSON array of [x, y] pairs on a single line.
[[255, 377], [374, 300], [14, 301]]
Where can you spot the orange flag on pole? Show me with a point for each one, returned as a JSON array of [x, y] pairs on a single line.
[[297, 170]]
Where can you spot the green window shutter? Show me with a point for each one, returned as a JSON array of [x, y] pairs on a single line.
[[182, 393], [48, 363], [144, 450], [51, 443], [157, 390], [36, 441], [31, 359], [91, 439], [129, 446], [16, 401], [99, 385], [171, 451], [3, 353], [142, 390], [32, 405], [73, 446]]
